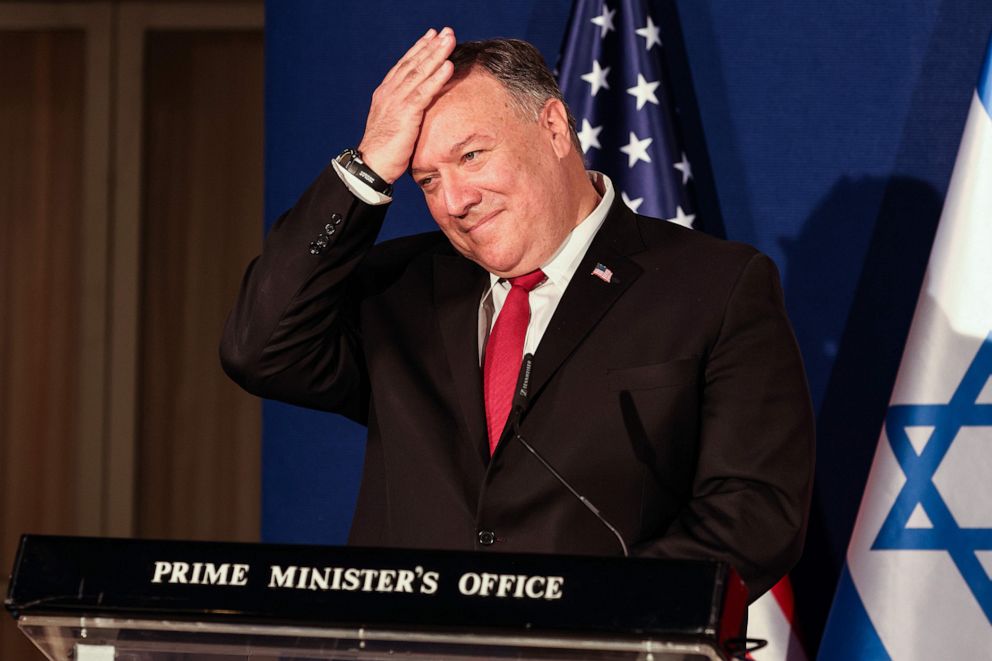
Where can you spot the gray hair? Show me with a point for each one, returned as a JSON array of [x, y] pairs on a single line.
[[520, 68]]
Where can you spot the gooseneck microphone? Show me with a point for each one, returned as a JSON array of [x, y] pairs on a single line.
[[517, 410]]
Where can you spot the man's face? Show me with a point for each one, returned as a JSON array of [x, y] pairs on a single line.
[[494, 180]]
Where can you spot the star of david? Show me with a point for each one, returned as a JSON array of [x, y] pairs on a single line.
[[945, 534]]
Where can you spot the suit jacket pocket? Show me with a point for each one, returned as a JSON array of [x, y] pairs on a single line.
[[683, 371]]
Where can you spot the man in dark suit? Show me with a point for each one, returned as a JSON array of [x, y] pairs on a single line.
[[666, 386]]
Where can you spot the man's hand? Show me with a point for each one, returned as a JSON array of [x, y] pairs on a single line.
[[398, 104]]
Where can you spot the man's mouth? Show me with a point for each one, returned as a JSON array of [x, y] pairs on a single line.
[[483, 221]]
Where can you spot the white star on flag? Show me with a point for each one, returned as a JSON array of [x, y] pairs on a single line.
[[589, 136], [597, 77], [681, 218], [651, 33], [605, 20], [634, 204], [684, 167], [637, 150], [644, 91]]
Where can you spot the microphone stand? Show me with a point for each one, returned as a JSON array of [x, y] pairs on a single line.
[[517, 410]]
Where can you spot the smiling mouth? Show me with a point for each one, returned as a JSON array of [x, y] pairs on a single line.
[[483, 221]]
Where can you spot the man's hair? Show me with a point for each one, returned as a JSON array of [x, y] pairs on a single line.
[[520, 68]]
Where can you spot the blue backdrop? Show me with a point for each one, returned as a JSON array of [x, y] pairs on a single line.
[[831, 131]]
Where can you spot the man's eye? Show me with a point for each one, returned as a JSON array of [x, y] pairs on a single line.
[[470, 156], [425, 182]]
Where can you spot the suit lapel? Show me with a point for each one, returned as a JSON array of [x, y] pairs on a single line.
[[458, 288], [588, 297], [460, 283]]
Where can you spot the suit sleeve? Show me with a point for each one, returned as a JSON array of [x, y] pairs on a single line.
[[293, 334], [751, 491]]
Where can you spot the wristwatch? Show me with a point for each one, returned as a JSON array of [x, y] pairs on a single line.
[[351, 161]]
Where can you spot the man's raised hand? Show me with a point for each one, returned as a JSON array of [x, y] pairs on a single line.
[[398, 104]]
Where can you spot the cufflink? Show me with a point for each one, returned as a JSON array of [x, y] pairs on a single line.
[[317, 247]]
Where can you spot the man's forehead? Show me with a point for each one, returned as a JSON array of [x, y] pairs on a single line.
[[475, 95], [473, 107], [474, 77]]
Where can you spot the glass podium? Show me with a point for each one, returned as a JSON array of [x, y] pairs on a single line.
[[90, 599]]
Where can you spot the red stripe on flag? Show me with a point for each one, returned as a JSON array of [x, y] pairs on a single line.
[[782, 591]]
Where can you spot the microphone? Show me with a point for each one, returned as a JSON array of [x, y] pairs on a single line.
[[520, 395], [517, 409]]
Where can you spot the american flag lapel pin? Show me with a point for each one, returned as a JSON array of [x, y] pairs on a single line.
[[603, 273]]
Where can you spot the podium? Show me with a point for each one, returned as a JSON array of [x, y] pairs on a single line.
[[95, 599]]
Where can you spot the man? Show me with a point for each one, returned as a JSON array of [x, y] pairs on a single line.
[[666, 384]]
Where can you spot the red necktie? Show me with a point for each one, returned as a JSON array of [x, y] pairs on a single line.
[[504, 352]]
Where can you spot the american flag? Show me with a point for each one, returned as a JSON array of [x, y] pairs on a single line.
[[603, 273], [612, 75]]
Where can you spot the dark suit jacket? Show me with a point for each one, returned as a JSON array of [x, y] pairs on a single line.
[[673, 397]]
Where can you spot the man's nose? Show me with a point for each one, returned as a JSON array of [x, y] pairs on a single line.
[[460, 196]]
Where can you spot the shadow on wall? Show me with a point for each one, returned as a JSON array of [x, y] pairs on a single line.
[[865, 350]]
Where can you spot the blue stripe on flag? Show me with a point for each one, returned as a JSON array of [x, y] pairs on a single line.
[[985, 81], [849, 633]]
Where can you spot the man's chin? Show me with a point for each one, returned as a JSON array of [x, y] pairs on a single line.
[[500, 267], [501, 264], [508, 270]]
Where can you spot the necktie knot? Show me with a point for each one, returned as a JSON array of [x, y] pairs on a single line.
[[528, 281]]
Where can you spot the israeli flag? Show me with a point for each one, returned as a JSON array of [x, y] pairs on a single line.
[[918, 578]]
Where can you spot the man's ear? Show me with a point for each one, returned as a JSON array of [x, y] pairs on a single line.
[[554, 119]]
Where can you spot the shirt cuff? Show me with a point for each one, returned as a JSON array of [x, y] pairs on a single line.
[[359, 188]]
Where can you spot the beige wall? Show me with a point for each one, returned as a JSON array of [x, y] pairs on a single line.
[[130, 201]]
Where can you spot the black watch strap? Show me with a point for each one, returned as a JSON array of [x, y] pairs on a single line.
[[351, 161]]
